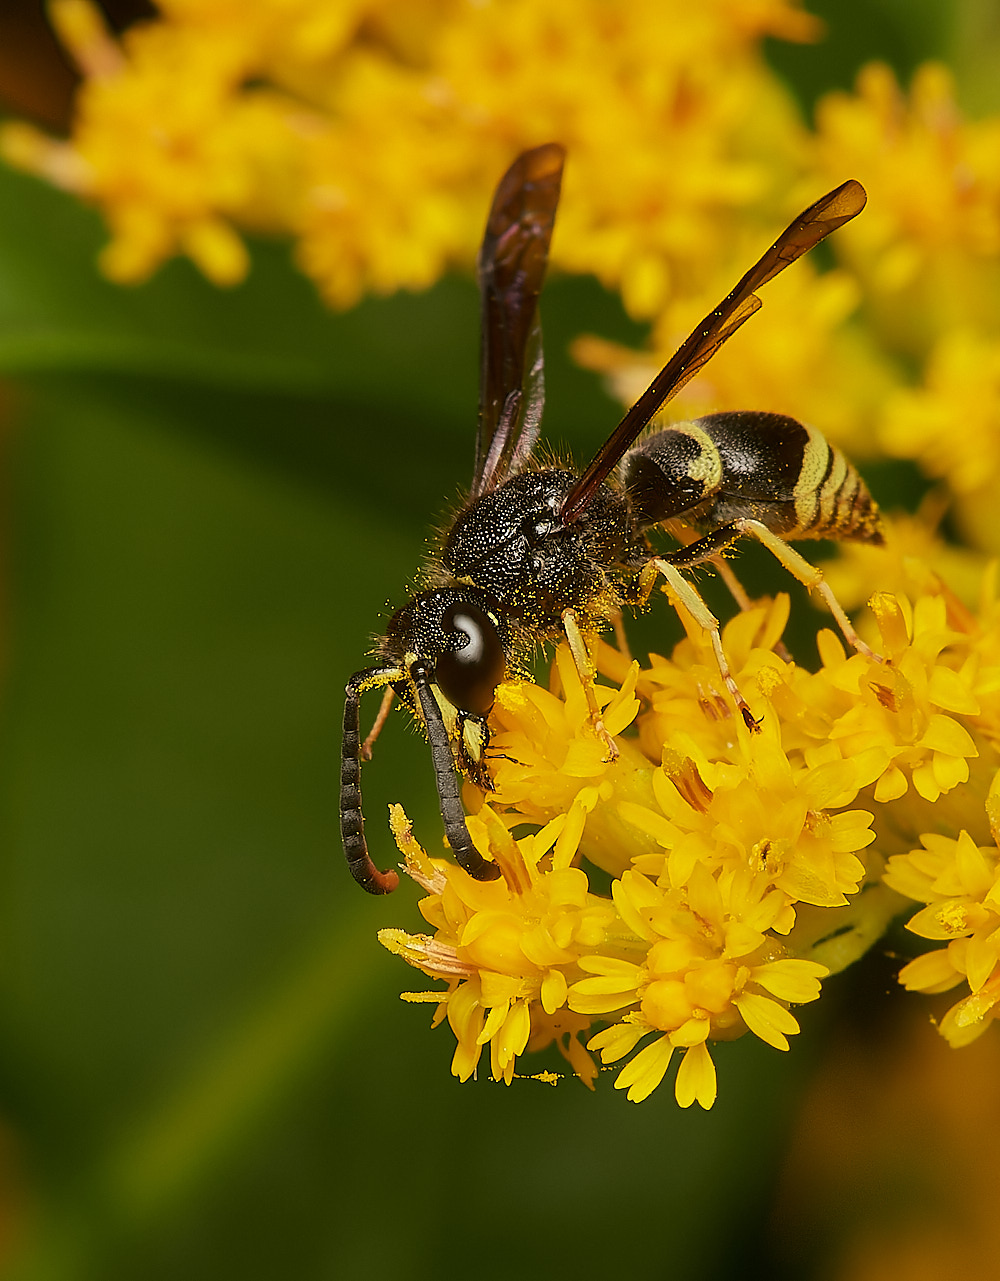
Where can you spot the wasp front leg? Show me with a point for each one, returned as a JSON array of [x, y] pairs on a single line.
[[443, 761], [585, 668], [472, 741], [385, 707]]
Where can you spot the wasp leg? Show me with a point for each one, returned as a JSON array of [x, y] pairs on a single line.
[[684, 534], [807, 573], [797, 565], [739, 595], [472, 743], [682, 591], [379, 725], [352, 819], [449, 800], [585, 668]]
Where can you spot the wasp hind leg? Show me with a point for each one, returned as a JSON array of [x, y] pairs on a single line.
[[685, 535], [805, 571], [682, 592]]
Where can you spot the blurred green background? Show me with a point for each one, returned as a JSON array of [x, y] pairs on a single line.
[[210, 500]]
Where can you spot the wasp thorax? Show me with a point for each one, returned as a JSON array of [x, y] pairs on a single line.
[[514, 542]]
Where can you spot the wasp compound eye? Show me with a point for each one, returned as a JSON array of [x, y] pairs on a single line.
[[469, 674]]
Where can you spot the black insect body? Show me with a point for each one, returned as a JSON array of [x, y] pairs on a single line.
[[734, 466], [538, 552], [513, 543]]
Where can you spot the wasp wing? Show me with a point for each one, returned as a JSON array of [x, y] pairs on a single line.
[[512, 264], [826, 215]]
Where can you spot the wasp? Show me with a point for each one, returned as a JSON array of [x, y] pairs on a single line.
[[537, 552]]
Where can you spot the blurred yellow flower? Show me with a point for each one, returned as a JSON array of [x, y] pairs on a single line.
[[952, 422], [927, 251], [373, 131], [960, 884]]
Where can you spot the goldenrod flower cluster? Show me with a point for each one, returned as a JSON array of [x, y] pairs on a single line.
[[742, 869]]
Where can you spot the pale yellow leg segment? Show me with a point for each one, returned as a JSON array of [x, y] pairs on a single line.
[[585, 667], [685, 536], [686, 595], [809, 576], [739, 595]]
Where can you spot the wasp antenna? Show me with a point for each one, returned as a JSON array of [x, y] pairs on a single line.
[[352, 822], [452, 813]]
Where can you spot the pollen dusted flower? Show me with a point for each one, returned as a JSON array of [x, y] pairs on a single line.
[[899, 716], [711, 970], [505, 946], [743, 868]]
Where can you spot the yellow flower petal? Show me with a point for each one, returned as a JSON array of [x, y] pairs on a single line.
[[767, 1019], [642, 1074], [696, 1078]]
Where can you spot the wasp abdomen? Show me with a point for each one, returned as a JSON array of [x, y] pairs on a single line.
[[672, 471], [757, 466]]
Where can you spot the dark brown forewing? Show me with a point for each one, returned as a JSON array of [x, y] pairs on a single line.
[[826, 215], [511, 268]]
